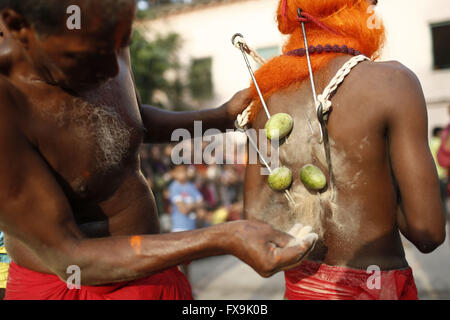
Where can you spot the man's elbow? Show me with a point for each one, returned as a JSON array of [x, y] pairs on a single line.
[[427, 242], [65, 261]]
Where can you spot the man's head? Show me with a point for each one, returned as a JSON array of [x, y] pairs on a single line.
[[74, 58], [336, 13], [355, 25]]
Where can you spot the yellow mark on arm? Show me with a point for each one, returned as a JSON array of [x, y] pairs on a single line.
[[136, 243]]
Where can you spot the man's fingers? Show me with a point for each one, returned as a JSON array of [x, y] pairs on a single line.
[[295, 229], [292, 257], [294, 236], [304, 232], [282, 239], [289, 249]]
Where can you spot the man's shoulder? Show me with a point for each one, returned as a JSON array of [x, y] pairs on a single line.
[[387, 83], [386, 75]]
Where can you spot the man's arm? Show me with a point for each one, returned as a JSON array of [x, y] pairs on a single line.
[[161, 123], [421, 218], [34, 210]]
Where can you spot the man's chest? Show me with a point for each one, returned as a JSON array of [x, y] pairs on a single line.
[[89, 140]]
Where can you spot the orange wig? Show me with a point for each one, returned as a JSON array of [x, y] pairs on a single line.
[[352, 19]]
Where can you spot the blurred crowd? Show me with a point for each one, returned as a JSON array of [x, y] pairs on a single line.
[[440, 149], [216, 188]]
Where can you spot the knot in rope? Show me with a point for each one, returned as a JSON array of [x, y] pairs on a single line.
[[305, 17], [326, 104], [324, 98]]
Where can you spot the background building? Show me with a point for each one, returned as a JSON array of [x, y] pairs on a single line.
[[418, 35]]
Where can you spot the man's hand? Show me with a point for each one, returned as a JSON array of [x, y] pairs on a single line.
[[267, 250], [237, 104]]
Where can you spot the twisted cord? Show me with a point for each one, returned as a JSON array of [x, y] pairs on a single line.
[[324, 98]]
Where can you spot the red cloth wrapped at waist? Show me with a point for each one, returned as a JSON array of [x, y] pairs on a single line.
[[24, 284], [315, 281]]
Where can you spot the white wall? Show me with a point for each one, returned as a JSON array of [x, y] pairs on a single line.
[[409, 41], [208, 31]]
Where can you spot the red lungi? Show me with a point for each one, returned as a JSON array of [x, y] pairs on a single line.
[[24, 284], [315, 281]]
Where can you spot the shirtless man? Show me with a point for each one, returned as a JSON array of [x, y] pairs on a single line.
[[385, 178], [71, 191]]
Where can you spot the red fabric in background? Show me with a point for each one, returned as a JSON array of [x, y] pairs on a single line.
[[314, 281], [443, 155], [24, 284]]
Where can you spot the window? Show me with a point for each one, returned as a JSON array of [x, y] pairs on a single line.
[[200, 79], [441, 45], [269, 52]]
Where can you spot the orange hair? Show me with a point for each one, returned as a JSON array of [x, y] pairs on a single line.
[[349, 17]]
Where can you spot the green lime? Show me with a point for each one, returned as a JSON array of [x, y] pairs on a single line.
[[279, 126], [280, 179], [312, 177]]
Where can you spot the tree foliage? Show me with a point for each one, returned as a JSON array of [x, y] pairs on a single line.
[[151, 62]]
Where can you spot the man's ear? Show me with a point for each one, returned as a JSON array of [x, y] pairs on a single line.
[[16, 25]]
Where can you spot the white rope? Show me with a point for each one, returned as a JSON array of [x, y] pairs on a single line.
[[250, 51], [324, 98], [244, 118]]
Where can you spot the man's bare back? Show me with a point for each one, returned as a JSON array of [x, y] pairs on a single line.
[[378, 120]]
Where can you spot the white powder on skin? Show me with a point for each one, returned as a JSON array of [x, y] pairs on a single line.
[[321, 211], [97, 124]]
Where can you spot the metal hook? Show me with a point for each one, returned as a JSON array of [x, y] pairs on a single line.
[[299, 12], [234, 38], [239, 128], [252, 74]]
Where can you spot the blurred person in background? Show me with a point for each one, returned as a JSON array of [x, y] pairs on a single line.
[[443, 157], [435, 144], [187, 204], [4, 267], [229, 185]]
